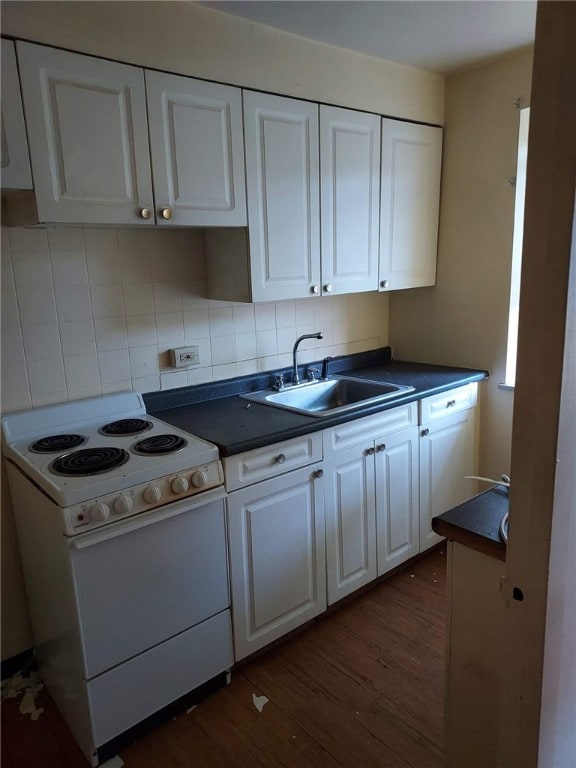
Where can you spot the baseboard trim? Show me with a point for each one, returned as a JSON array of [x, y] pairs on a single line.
[[22, 662]]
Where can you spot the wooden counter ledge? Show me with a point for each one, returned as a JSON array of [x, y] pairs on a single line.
[[476, 522]]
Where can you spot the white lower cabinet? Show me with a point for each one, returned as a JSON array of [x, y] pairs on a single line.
[[304, 533], [371, 468], [277, 556], [448, 454], [397, 503], [350, 521]]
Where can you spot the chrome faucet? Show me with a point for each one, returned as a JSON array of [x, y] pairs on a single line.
[[318, 335]]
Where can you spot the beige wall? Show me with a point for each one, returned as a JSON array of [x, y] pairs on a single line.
[[198, 41], [463, 319]]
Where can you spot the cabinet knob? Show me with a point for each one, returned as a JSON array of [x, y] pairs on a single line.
[[383, 283], [450, 403], [314, 289], [329, 288], [318, 474], [145, 213], [166, 213], [425, 432], [281, 458], [381, 447], [369, 451]]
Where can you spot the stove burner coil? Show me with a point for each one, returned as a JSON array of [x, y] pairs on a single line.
[[89, 461], [57, 443], [126, 427], [158, 444]]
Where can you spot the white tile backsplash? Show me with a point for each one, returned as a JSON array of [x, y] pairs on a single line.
[[41, 342], [74, 303], [91, 311]]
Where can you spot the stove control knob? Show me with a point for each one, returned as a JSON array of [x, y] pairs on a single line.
[[99, 512], [179, 485], [199, 478], [122, 505], [152, 494]]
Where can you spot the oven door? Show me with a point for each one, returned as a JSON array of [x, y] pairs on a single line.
[[144, 580]]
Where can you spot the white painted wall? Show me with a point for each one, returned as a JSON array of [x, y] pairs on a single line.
[[463, 319], [195, 40]]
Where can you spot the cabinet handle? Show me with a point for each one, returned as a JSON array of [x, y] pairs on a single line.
[[450, 403], [383, 283], [425, 432], [369, 451], [281, 458], [329, 288], [145, 213], [381, 447], [166, 213], [314, 289], [318, 474]]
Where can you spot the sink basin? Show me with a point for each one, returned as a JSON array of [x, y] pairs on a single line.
[[337, 394]]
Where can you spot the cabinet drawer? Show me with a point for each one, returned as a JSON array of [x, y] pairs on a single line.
[[131, 692], [370, 427], [262, 463], [447, 403]]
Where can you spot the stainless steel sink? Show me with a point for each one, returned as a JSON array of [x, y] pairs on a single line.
[[336, 394]]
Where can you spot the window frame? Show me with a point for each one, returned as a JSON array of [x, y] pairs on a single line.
[[517, 241]]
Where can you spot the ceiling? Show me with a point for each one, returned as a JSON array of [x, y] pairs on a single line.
[[440, 36]]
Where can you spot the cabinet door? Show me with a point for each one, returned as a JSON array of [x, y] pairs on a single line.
[[350, 199], [88, 137], [277, 566], [197, 150], [447, 455], [16, 172], [397, 502], [410, 197], [350, 521], [282, 179]]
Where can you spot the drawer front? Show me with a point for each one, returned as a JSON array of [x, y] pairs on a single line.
[[132, 691], [369, 428], [447, 403], [263, 463]]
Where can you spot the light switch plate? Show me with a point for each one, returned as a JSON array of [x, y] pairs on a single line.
[[182, 357]]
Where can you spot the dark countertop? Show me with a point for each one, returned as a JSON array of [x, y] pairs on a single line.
[[216, 413], [476, 522]]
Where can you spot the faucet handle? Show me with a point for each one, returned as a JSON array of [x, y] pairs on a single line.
[[279, 381], [312, 374]]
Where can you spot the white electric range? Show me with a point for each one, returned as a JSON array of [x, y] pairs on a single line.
[[121, 528]]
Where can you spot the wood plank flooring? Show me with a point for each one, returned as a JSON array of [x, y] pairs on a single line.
[[361, 687]]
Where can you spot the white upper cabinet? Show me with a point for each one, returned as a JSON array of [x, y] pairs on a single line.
[[16, 172], [197, 151], [282, 179], [410, 194], [88, 137], [350, 199]]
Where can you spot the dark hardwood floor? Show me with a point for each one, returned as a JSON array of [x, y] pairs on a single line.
[[362, 686]]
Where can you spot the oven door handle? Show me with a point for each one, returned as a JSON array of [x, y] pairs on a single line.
[[144, 519]]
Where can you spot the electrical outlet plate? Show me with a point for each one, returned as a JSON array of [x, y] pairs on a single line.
[[182, 357]]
